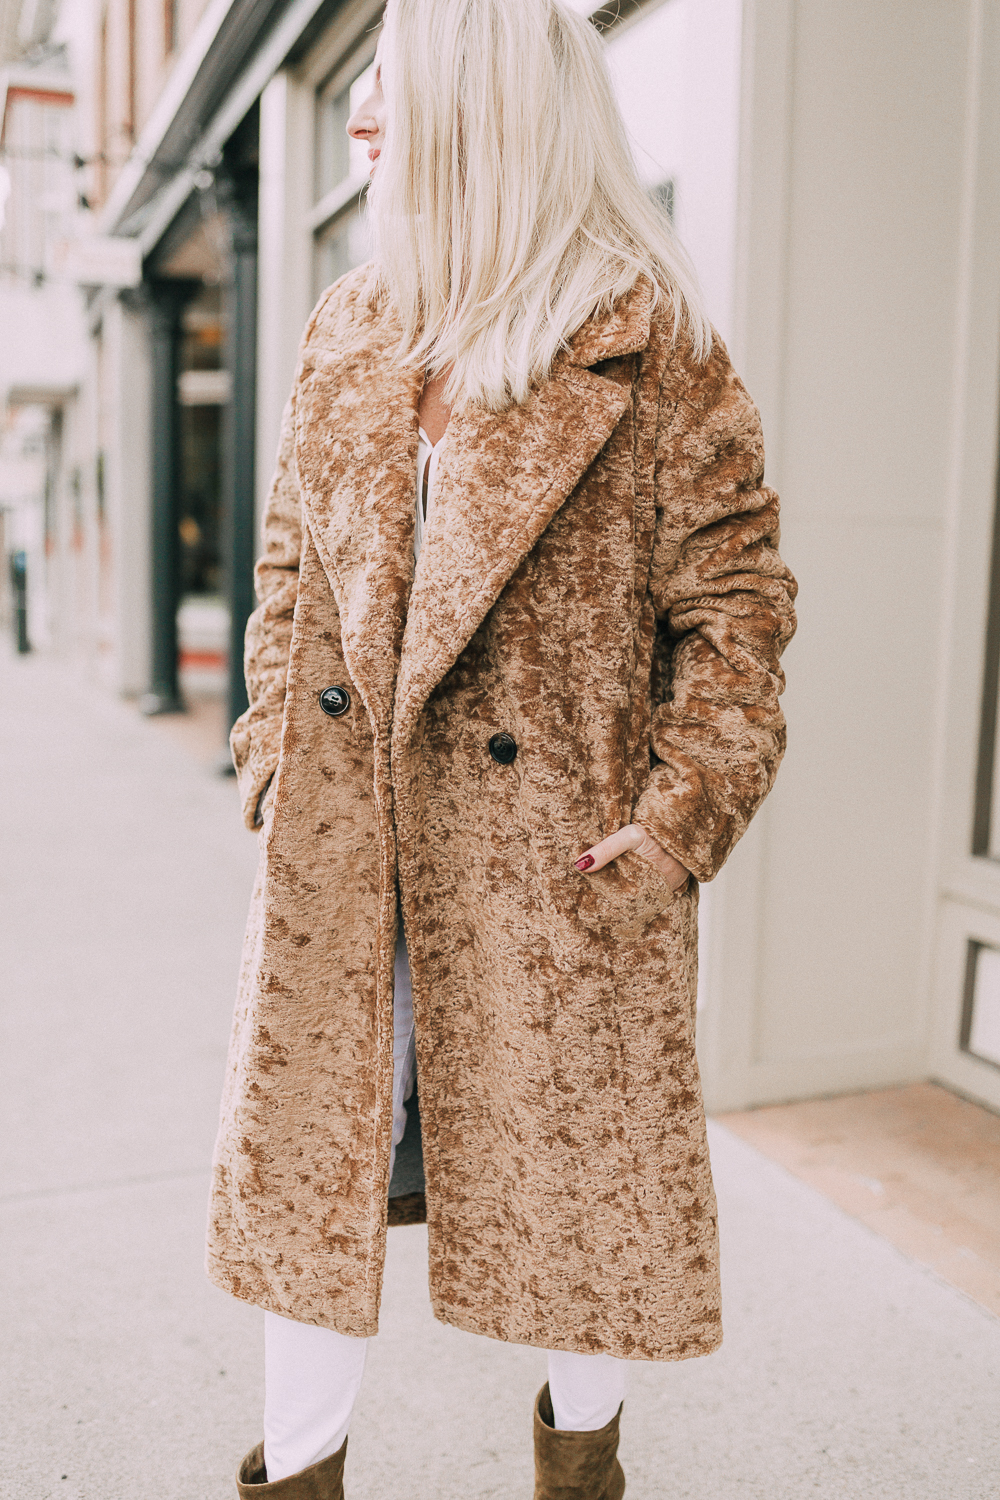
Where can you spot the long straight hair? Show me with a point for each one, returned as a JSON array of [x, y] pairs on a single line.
[[506, 208]]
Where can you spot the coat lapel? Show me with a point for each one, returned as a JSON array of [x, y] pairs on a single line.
[[356, 449], [500, 481]]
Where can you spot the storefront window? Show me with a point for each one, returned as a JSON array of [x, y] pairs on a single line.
[[340, 234], [337, 156], [202, 391], [341, 247], [986, 818], [980, 1034], [980, 1025]]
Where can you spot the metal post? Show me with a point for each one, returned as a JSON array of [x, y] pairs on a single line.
[[166, 301], [19, 583], [239, 431]]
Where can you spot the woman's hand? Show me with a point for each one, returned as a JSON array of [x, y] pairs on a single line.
[[634, 837]]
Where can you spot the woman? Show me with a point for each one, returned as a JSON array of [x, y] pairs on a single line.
[[513, 692]]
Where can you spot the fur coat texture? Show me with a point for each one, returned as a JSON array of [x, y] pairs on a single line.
[[599, 581]]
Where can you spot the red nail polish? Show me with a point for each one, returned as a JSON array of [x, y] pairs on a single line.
[[585, 863]]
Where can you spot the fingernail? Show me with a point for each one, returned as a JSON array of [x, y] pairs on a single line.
[[585, 863]]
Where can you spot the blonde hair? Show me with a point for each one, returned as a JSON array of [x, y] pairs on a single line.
[[506, 208]]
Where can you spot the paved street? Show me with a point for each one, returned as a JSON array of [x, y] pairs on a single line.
[[848, 1371]]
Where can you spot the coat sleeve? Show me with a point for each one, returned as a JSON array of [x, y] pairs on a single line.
[[723, 601], [256, 736]]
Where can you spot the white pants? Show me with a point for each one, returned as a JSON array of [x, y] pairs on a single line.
[[404, 1044], [312, 1375]]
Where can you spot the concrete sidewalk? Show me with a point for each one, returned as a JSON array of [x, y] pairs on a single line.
[[848, 1371]]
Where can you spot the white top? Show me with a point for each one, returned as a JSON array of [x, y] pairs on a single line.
[[428, 454]]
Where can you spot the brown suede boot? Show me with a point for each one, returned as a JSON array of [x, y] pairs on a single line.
[[322, 1481], [575, 1465]]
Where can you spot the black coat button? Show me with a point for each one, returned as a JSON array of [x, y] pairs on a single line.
[[335, 701], [503, 748]]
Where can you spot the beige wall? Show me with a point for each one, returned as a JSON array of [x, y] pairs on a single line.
[[850, 288], [968, 886]]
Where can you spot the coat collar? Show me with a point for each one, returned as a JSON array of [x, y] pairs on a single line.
[[622, 330], [500, 480]]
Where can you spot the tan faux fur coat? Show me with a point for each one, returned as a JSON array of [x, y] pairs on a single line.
[[599, 581]]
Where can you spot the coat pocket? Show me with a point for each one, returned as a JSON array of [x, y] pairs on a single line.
[[631, 893]]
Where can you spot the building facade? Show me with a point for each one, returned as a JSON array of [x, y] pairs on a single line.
[[43, 347], [835, 172]]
